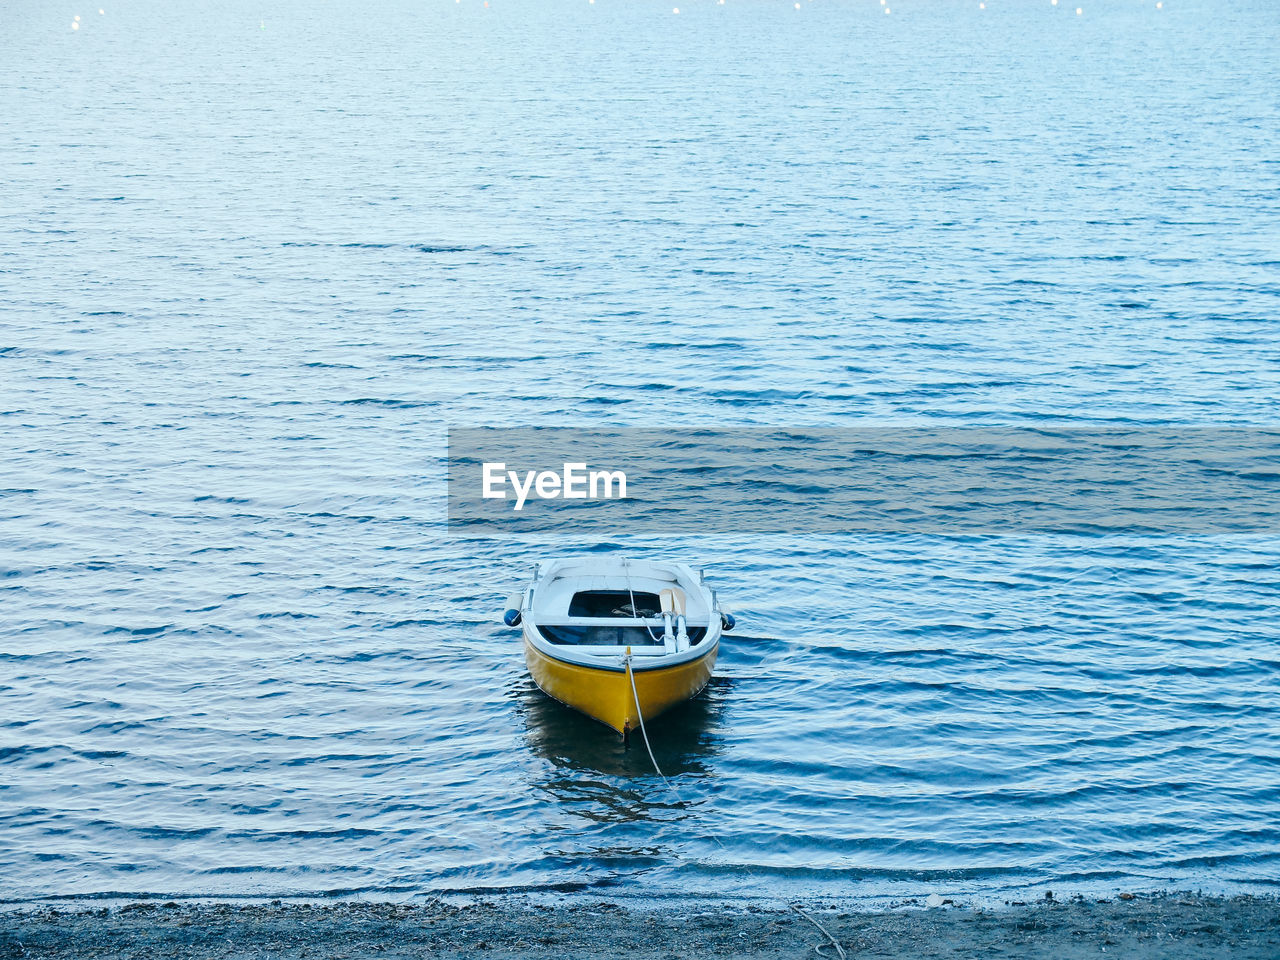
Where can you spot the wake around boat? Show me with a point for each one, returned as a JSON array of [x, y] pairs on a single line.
[[620, 640]]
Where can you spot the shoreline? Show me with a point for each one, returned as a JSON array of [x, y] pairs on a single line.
[[1157, 925]]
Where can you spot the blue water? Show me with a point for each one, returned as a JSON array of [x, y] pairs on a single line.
[[254, 260]]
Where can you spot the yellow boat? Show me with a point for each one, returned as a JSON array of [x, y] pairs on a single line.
[[620, 640]]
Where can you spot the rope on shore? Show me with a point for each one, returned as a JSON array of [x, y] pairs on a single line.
[[676, 793]]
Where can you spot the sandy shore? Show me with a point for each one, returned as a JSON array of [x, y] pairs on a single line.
[[1169, 927]]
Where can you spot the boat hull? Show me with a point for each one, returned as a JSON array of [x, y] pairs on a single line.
[[606, 695]]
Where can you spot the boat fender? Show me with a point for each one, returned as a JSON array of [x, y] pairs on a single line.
[[727, 621], [511, 616]]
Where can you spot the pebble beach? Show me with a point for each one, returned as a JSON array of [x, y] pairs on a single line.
[[1134, 926]]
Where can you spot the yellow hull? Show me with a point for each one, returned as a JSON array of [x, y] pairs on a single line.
[[606, 694]]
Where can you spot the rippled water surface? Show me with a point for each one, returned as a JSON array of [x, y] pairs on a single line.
[[255, 259]]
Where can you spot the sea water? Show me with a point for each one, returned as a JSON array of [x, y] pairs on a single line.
[[256, 260]]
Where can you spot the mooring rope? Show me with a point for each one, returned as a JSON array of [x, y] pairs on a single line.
[[626, 565], [676, 793]]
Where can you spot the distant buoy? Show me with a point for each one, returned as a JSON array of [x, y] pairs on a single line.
[[1159, 5], [675, 9], [982, 6], [1079, 11], [101, 13], [74, 25]]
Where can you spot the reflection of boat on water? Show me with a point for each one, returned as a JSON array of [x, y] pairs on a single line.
[[682, 743], [620, 640], [598, 777]]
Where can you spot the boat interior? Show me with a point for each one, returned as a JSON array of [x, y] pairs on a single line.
[[652, 609]]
